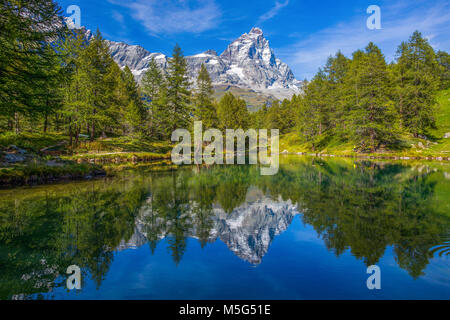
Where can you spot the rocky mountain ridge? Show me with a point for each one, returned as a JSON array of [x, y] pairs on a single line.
[[248, 63]]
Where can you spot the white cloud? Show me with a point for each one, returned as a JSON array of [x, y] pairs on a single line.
[[118, 17], [398, 23], [172, 16], [273, 12]]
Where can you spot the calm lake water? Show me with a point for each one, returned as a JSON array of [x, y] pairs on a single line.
[[309, 232]]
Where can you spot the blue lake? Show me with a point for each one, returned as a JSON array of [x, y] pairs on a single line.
[[310, 232]]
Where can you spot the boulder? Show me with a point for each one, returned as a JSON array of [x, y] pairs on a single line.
[[15, 150], [54, 163], [14, 158]]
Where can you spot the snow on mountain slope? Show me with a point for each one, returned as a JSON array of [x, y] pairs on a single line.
[[247, 63], [248, 231]]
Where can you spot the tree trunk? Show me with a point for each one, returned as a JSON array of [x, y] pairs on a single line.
[[45, 123], [16, 122], [92, 132], [77, 135], [70, 136]]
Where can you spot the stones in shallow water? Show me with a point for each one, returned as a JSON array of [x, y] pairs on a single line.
[[54, 163], [14, 158], [14, 154], [16, 150]]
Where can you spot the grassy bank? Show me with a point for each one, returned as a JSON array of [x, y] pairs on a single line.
[[36, 158], [35, 174], [434, 146]]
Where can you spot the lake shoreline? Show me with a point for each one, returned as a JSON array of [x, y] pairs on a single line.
[[368, 157], [92, 166]]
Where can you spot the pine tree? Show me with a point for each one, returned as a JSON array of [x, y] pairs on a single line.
[[153, 88], [335, 93], [135, 111], [152, 81], [232, 113], [272, 119], [205, 110], [162, 120], [443, 59], [73, 112], [372, 117], [178, 93], [97, 73], [313, 117], [50, 98], [259, 117], [417, 81], [27, 30]]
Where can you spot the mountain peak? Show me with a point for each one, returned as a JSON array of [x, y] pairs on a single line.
[[248, 63], [211, 52], [256, 30]]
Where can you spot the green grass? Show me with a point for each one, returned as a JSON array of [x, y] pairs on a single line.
[[41, 173], [443, 123], [123, 144], [128, 156], [437, 146], [30, 141]]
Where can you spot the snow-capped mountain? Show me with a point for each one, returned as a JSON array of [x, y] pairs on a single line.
[[247, 63], [248, 231]]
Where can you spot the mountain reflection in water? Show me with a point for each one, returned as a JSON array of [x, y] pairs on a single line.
[[359, 207]]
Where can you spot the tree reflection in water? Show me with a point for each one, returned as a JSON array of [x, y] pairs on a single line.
[[360, 206]]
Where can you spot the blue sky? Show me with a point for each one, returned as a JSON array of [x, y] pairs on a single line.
[[303, 33]]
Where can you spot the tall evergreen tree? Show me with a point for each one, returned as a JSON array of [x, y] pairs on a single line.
[[205, 110], [152, 81], [96, 66], [27, 30], [335, 92], [178, 93], [417, 81], [443, 59], [71, 86], [232, 113], [372, 116], [153, 88], [135, 111], [312, 116]]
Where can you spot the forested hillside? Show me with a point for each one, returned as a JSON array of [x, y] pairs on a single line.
[[57, 88]]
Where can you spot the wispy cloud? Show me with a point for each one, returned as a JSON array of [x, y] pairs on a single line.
[[172, 16], [398, 23], [118, 17], [273, 12]]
